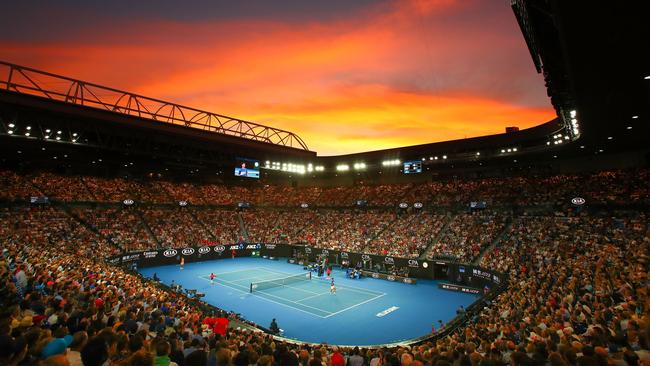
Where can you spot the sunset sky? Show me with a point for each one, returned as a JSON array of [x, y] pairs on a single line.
[[346, 76]]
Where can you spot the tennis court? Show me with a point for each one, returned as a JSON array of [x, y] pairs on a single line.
[[300, 292], [364, 311]]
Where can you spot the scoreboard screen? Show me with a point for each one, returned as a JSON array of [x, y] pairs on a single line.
[[412, 167], [248, 168]]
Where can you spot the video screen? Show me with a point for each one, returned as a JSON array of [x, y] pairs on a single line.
[[248, 168], [412, 167]]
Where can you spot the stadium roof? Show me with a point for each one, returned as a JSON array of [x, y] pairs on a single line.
[[591, 55]]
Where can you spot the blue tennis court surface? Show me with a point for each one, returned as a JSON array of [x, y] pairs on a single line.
[[362, 312]]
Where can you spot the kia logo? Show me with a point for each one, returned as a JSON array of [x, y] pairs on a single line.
[[204, 250], [188, 251], [325, 251], [307, 250], [170, 252], [128, 202], [389, 260], [365, 257], [417, 205], [219, 248], [578, 201], [403, 205]]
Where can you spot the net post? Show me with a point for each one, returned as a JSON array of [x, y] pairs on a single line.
[[309, 274], [251, 288]]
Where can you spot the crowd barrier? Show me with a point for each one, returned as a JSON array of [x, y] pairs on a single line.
[[465, 275]]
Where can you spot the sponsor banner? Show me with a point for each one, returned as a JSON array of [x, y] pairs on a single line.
[[304, 205], [578, 201], [365, 257], [269, 246], [130, 257], [413, 263], [383, 276], [389, 260], [187, 251], [128, 202], [459, 288], [344, 255], [308, 250], [219, 248], [182, 203], [204, 250], [170, 253], [417, 205], [152, 254], [254, 246], [325, 251], [403, 205]]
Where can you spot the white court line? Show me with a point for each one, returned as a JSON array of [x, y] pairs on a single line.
[[287, 305], [311, 297], [351, 288], [237, 271], [261, 279], [264, 298], [354, 306]]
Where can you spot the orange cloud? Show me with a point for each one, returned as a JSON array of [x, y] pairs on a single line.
[[397, 74]]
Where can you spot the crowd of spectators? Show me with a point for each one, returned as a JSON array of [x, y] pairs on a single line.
[[466, 235], [577, 295], [121, 226], [609, 187], [408, 236]]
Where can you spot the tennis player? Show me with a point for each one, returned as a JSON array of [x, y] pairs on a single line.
[[182, 262], [332, 288], [212, 277]]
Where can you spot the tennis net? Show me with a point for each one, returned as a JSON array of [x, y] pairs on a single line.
[[276, 282]]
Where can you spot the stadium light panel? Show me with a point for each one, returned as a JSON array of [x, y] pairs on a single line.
[[11, 125], [58, 138], [59, 132], [27, 134], [647, 77], [342, 168], [633, 117], [629, 127], [28, 128], [444, 156], [11, 132]]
